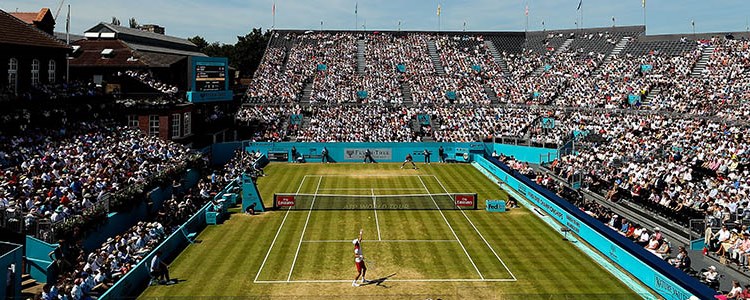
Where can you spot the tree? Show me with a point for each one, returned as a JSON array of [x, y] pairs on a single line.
[[199, 42], [133, 23], [115, 21], [245, 55], [248, 51]]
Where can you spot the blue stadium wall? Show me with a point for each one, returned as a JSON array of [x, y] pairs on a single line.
[[663, 278], [387, 152]]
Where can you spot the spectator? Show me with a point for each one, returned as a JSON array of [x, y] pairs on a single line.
[[159, 269]]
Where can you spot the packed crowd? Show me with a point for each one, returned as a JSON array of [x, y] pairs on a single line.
[[685, 168], [370, 123], [732, 244], [54, 177], [271, 83], [383, 54], [373, 123], [576, 77], [274, 121], [84, 274], [149, 80]]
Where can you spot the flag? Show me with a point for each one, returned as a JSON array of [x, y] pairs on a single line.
[[355, 7], [527, 10], [643, 3], [579, 4], [692, 22], [273, 9], [438, 10]]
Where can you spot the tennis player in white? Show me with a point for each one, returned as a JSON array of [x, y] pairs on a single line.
[[359, 260]]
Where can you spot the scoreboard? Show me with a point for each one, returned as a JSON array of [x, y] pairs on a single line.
[[209, 79]]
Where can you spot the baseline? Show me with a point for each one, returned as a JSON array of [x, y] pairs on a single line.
[[388, 280]]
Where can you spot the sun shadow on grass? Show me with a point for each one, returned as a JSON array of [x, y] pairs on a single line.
[[380, 281]]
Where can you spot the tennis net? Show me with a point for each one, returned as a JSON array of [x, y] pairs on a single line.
[[452, 201]]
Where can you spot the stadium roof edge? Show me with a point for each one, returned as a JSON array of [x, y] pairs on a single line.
[[697, 36], [638, 28]]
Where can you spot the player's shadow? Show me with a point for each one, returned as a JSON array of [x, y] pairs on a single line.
[[380, 281]]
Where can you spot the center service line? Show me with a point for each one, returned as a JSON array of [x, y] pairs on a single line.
[[375, 209]]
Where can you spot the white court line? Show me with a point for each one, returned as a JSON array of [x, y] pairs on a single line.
[[451, 228], [303, 231], [363, 175], [277, 234], [375, 209], [366, 189], [390, 280], [480, 234], [383, 241]]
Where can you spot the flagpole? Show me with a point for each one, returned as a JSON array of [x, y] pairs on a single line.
[[67, 40], [644, 13], [439, 8], [273, 24], [356, 16], [526, 12]]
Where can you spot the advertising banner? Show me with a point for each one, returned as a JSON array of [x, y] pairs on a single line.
[[358, 154]]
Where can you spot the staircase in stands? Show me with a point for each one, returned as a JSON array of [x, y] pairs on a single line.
[[435, 57], [307, 92], [561, 49], [490, 94], [615, 52], [406, 93], [361, 56], [498, 58], [287, 50], [30, 288], [652, 95], [701, 64]]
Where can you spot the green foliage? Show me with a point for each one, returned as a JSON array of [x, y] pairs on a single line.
[[245, 55]]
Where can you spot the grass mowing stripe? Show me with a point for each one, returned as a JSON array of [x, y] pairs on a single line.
[[302, 236], [523, 241], [464, 175], [454, 232], [270, 247]]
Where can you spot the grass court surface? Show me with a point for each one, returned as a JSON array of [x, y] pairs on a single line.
[[415, 254]]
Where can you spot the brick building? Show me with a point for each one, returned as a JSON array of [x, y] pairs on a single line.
[[30, 57]]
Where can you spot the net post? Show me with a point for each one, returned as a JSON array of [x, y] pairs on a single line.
[[275, 206], [476, 201]]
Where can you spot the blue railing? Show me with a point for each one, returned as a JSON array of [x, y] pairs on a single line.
[[138, 278], [657, 274]]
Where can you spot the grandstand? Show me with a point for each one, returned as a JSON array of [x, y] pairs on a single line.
[[638, 108], [633, 144]]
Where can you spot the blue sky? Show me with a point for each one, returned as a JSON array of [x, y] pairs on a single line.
[[223, 20]]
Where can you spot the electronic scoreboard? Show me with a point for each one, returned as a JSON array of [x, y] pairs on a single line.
[[209, 79]]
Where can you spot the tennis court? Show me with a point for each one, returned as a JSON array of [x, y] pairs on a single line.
[[405, 233], [417, 243]]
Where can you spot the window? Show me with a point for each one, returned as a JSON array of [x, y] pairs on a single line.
[[13, 75], [51, 71], [133, 121], [175, 125], [107, 53], [186, 121], [35, 72], [153, 125]]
